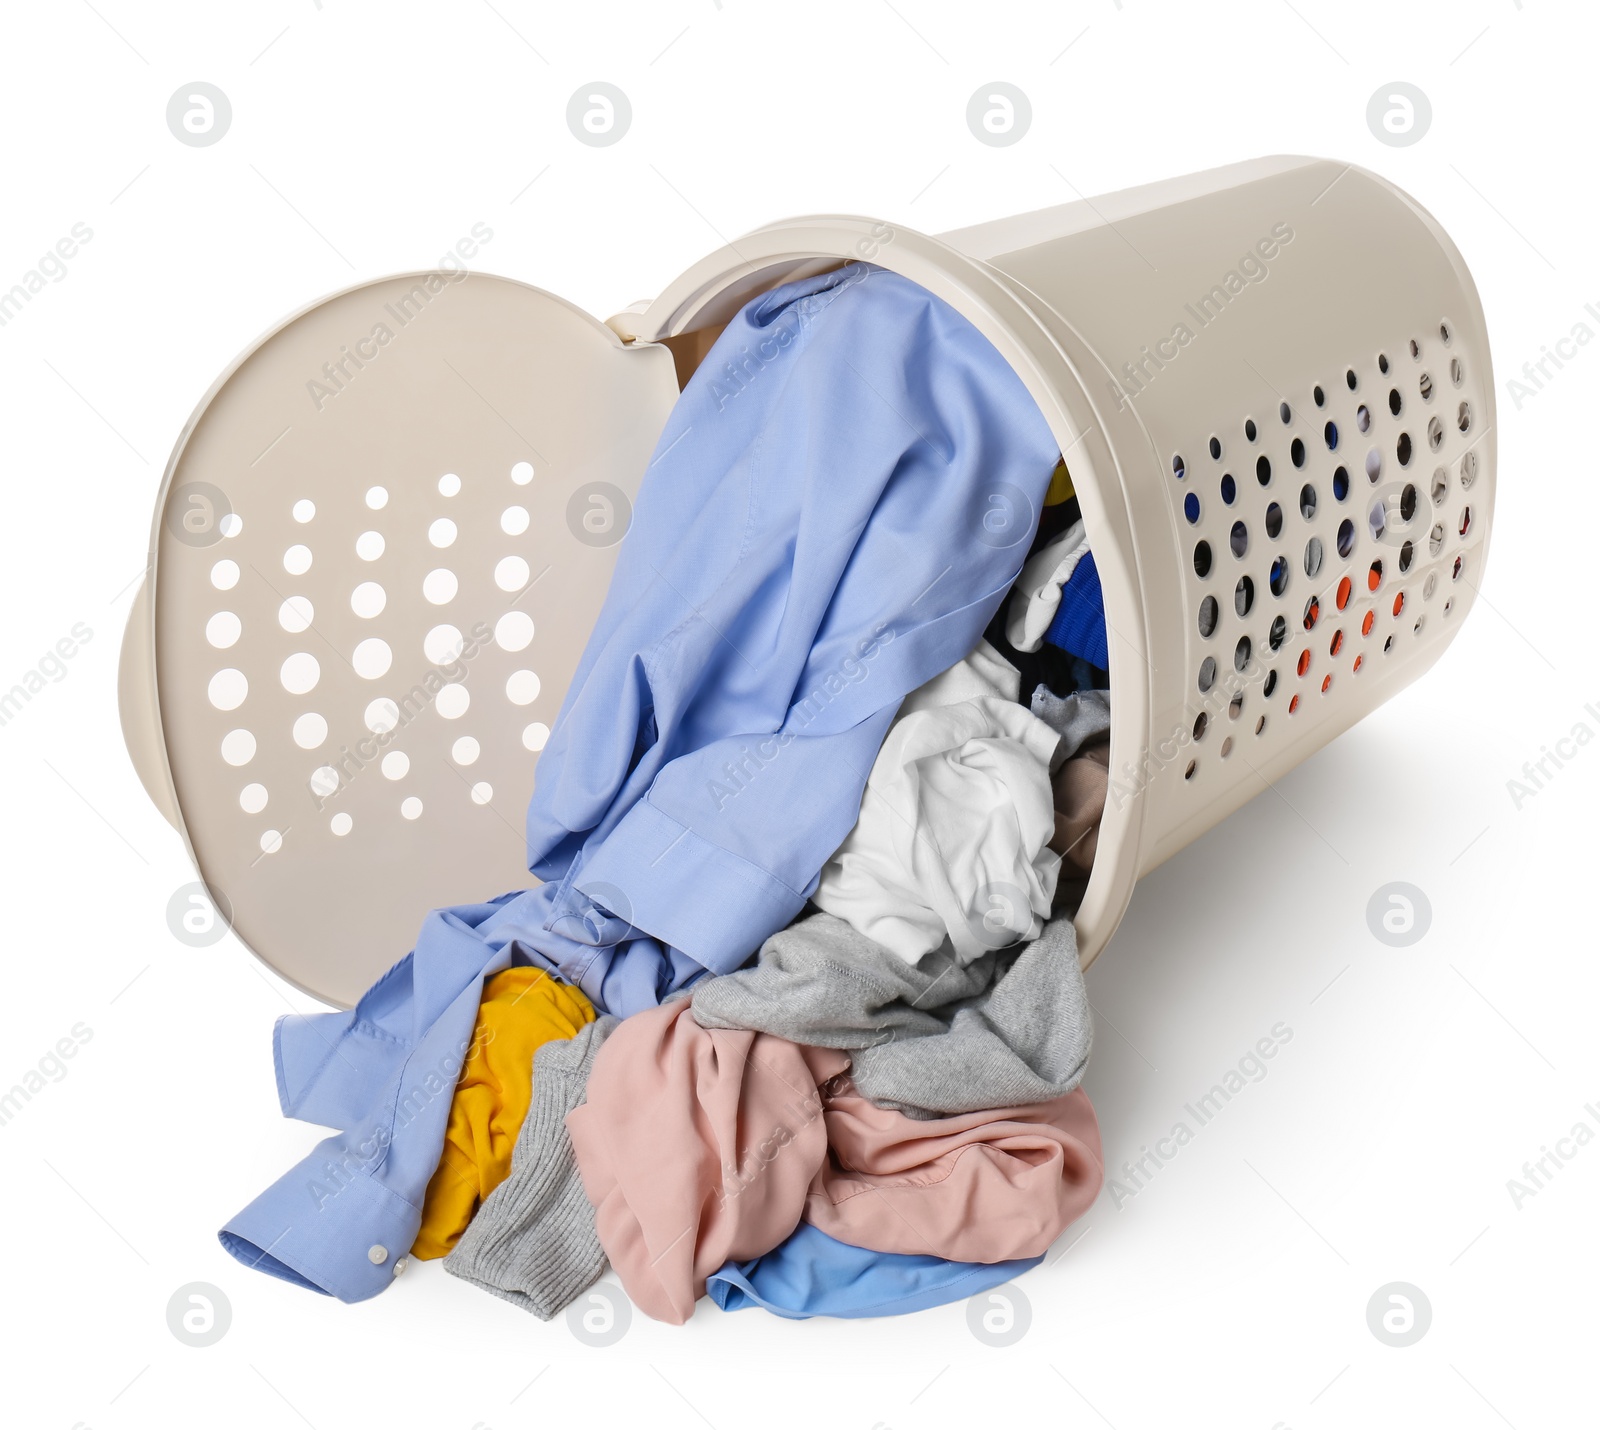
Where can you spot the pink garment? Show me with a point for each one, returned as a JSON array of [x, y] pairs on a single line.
[[696, 1147], [980, 1186]]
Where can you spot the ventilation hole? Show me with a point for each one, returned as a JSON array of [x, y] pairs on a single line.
[[295, 615], [395, 765], [1285, 415], [1294, 704], [522, 473], [238, 747], [341, 824], [1202, 560], [1356, 668], [1464, 416], [1250, 429], [511, 572], [1263, 470], [367, 600], [1347, 537], [227, 689], [1227, 747], [1303, 664], [271, 841], [1374, 465], [1229, 490], [1239, 539], [1455, 570], [1407, 552], [1466, 520], [1200, 723], [1416, 630], [1278, 577], [1177, 466], [439, 586], [377, 498], [1317, 395], [1327, 680], [1188, 773], [1215, 447], [300, 672], [1429, 585], [1402, 449], [1425, 387], [1280, 629], [1336, 644], [1444, 333], [297, 560], [514, 520], [225, 575], [1399, 602], [452, 701], [1297, 452], [1435, 433], [1274, 520], [514, 630], [411, 807], [1269, 684], [1395, 402], [449, 484], [535, 735], [324, 781], [1261, 724], [1366, 622], [1374, 575], [1383, 362], [1408, 501], [1388, 644], [1416, 349], [1311, 613], [1330, 435], [1439, 487], [442, 532], [1341, 483], [1208, 616], [381, 715], [309, 730], [1350, 378], [303, 510], [1469, 470], [1308, 501], [1341, 597], [522, 687], [1244, 597], [1191, 510], [1377, 521], [1241, 654], [465, 751], [1236, 706], [1363, 418], [482, 792], [1435, 538], [1208, 674], [1456, 373], [1313, 556], [369, 545], [442, 645], [1448, 604], [223, 629], [372, 658]]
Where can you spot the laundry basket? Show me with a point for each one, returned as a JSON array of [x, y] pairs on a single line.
[[385, 534]]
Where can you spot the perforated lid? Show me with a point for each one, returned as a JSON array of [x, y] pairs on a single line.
[[381, 544]]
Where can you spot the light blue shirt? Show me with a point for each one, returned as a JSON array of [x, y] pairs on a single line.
[[841, 498]]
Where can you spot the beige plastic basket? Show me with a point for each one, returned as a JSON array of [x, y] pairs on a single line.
[[384, 536]]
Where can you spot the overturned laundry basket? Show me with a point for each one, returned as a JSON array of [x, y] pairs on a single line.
[[385, 534]]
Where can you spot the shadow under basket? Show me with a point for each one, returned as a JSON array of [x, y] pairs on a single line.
[[385, 534]]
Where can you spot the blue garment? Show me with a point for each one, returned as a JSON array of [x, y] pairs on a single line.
[[842, 496], [811, 1274], [1079, 627]]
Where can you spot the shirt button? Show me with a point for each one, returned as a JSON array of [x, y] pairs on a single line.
[[377, 1255], [399, 1266]]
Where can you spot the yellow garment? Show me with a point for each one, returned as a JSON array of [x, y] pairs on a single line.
[[522, 1009], [1060, 488]]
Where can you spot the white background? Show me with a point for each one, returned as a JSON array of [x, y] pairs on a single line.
[[1232, 1290]]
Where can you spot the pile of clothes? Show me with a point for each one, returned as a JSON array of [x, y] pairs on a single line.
[[795, 1017]]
